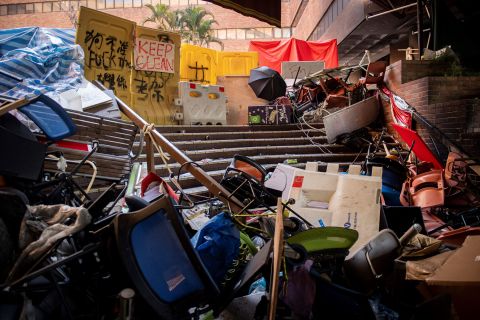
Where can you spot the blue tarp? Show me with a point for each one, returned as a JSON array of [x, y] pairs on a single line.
[[39, 60]]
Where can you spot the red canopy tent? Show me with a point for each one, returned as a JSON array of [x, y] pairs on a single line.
[[272, 53]]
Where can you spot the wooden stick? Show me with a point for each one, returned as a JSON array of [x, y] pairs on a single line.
[[277, 260], [13, 105]]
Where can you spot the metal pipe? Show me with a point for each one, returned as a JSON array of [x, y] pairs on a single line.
[[389, 11], [213, 186], [420, 27], [424, 30]]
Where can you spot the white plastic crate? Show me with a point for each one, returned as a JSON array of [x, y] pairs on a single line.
[[202, 104]]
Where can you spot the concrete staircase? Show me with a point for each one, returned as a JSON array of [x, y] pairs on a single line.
[[213, 148]]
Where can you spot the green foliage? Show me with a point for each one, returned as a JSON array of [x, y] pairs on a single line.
[[193, 23]]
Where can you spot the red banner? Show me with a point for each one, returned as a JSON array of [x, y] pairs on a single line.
[[272, 53]]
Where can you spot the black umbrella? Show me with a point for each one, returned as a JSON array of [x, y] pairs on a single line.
[[267, 83]]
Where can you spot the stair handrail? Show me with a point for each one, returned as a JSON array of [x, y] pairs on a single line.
[[211, 184]]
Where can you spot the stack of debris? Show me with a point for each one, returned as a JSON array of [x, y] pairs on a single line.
[[387, 239]]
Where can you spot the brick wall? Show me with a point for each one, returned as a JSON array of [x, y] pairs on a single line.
[[449, 103]]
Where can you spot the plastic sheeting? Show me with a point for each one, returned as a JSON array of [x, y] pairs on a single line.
[[36, 60], [272, 53]]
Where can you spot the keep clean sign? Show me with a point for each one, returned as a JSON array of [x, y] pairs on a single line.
[[150, 55]]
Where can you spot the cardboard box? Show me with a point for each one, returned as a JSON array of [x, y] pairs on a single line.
[[459, 276]]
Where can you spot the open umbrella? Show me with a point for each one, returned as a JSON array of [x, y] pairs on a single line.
[[267, 83]]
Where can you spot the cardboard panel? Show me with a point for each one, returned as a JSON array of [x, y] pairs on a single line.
[[153, 93], [107, 43]]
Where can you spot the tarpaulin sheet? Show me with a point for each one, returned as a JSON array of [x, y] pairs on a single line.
[[420, 149], [272, 53], [39, 60]]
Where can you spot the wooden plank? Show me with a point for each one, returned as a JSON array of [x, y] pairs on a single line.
[[277, 260], [150, 154], [93, 117]]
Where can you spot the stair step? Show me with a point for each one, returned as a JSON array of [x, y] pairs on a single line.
[[189, 187], [286, 151], [203, 136], [232, 128]]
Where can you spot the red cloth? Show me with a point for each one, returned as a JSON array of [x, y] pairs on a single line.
[[401, 111], [152, 177], [420, 149], [272, 53]]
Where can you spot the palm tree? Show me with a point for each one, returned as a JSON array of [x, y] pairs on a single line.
[[163, 17], [197, 24]]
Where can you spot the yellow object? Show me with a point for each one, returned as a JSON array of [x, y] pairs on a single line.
[[236, 63], [212, 96], [108, 43], [205, 65], [195, 94]]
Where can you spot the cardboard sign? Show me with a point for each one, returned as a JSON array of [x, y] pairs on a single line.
[[150, 55]]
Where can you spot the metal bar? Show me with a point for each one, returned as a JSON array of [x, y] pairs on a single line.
[[213, 186], [424, 30], [420, 27], [390, 11]]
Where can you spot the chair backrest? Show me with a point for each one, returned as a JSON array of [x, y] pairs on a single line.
[[115, 142], [160, 260], [249, 167], [49, 116], [375, 72]]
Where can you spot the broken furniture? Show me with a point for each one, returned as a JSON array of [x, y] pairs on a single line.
[[331, 198], [351, 118], [164, 266], [375, 73]]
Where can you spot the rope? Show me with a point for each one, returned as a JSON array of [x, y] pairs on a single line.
[[147, 130], [90, 163]]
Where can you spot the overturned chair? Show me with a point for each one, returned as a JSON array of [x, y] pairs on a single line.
[[165, 268]]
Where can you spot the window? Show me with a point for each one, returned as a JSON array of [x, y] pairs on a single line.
[[286, 33], [183, 2], [21, 8], [100, 4], [12, 9], [57, 6], [29, 8], [38, 7], [222, 34], [250, 34], [47, 7], [277, 32], [137, 3], [92, 4], [109, 4], [118, 3], [231, 34], [3, 10], [240, 33], [82, 3]]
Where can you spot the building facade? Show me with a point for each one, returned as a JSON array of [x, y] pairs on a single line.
[[232, 28]]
